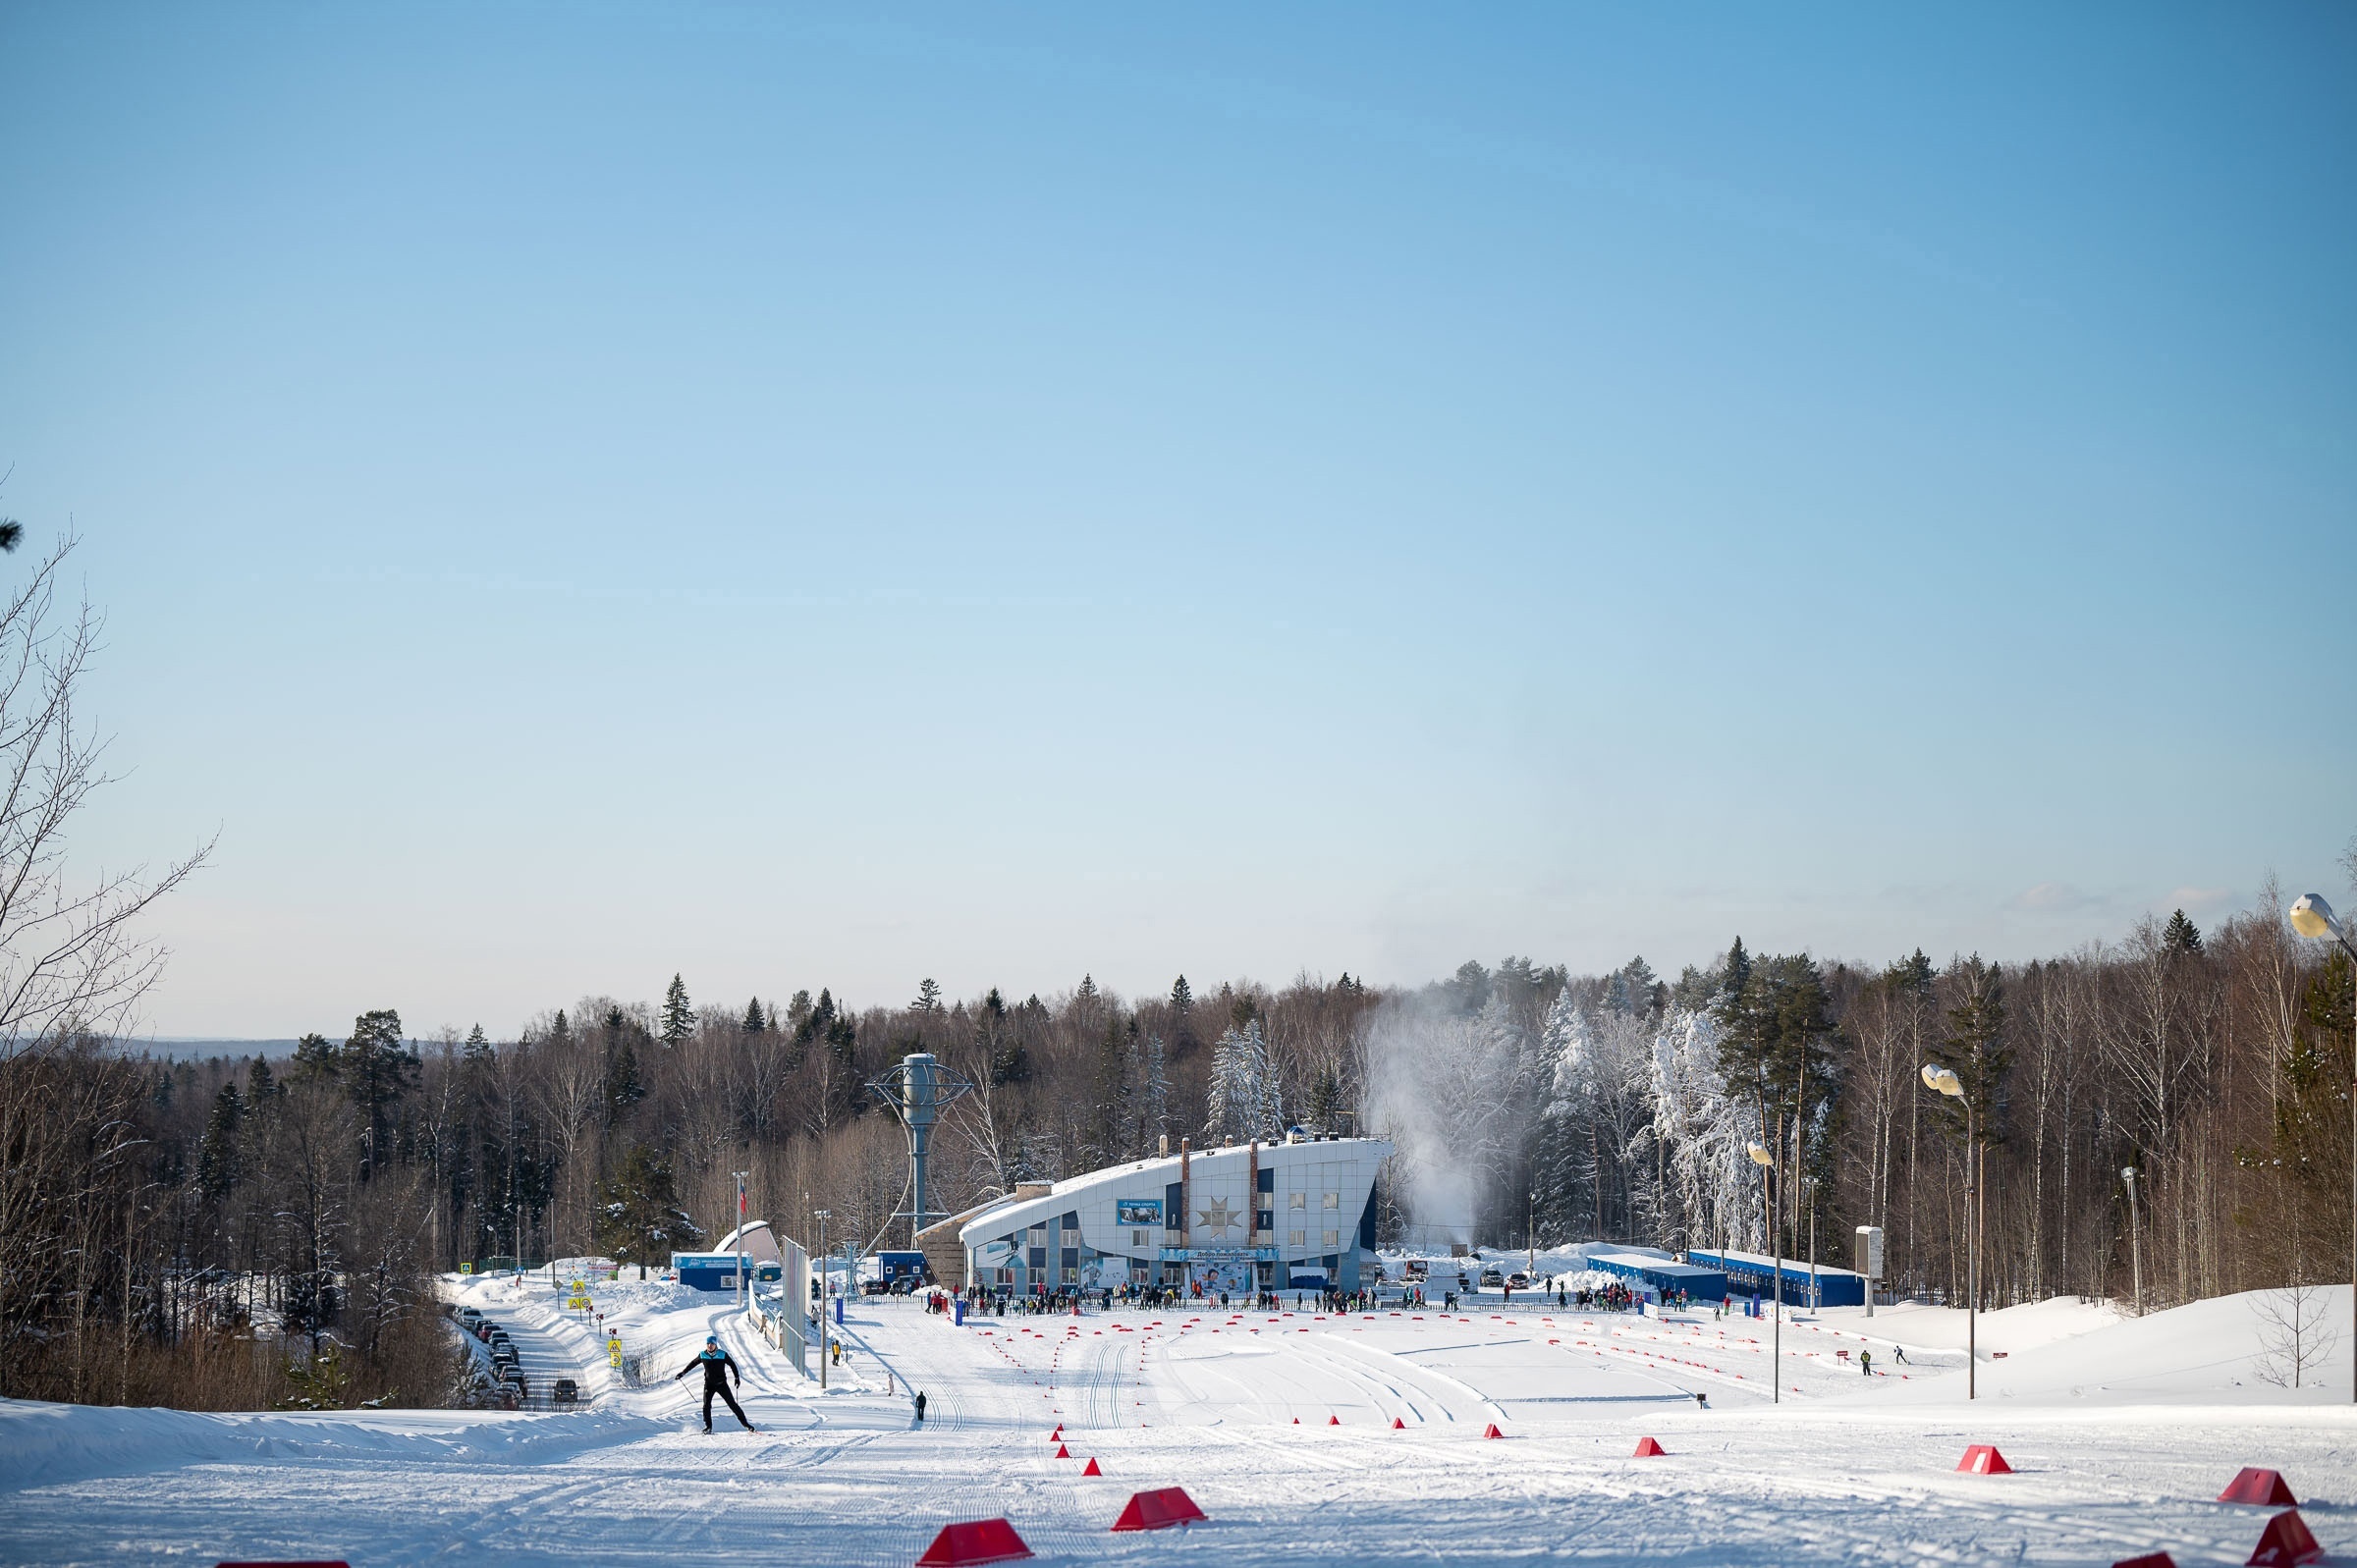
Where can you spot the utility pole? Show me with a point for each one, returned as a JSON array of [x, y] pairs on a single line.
[[821, 1215], [2127, 1173], [742, 1287]]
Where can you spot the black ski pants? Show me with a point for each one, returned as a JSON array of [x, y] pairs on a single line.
[[722, 1389]]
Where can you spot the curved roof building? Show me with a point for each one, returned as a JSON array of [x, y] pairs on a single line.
[[1242, 1217]]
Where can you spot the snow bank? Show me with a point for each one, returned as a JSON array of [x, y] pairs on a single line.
[[42, 1443], [2204, 1353]]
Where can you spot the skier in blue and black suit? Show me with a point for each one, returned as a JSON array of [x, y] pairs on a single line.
[[718, 1370]]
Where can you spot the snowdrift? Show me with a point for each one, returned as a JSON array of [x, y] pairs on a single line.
[[42, 1445]]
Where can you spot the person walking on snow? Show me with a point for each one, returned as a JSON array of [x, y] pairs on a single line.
[[920, 1407], [1866, 1363], [718, 1370]]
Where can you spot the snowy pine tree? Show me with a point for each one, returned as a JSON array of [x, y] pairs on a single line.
[[1244, 1099]]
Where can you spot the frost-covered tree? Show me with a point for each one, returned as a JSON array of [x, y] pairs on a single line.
[[1594, 1169], [1713, 1186], [1245, 1100]]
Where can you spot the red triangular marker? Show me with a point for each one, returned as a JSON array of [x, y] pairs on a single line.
[[1398, 1425], [2284, 1541], [1983, 1459], [1647, 1448], [2150, 1559], [1334, 1421], [2265, 1487], [1092, 1469], [1491, 1430], [1158, 1510], [978, 1540], [1061, 1452]]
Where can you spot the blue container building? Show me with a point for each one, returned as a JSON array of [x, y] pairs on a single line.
[[1749, 1273]]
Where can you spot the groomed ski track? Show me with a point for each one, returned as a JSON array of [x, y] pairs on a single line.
[[1209, 1399]]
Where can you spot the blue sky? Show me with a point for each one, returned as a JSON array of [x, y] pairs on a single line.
[[797, 497]]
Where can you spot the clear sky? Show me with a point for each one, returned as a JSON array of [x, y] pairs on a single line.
[[802, 497]]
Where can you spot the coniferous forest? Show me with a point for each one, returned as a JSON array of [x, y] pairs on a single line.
[[235, 1232]]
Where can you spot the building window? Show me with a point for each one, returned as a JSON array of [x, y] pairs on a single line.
[[1298, 1238], [1333, 1200], [1137, 1238], [1299, 1200], [1039, 1257], [1334, 1238]]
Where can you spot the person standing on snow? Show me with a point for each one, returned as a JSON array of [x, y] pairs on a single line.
[[920, 1407], [718, 1370], [1865, 1362]]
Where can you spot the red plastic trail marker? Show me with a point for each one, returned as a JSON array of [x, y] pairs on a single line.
[[1061, 1452], [2284, 1541], [1091, 1468], [1491, 1430], [1647, 1448], [1984, 1460], [2265, 1487], [2150, 1559], [1297, 1421], [1159, 1510], [1334, 1421], [976, 1541], [1398, 1425]]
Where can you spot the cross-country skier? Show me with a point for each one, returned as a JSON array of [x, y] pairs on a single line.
[[920, 1408], [718, 1370]]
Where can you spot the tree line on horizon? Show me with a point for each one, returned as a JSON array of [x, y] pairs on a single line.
[[205, 1230]]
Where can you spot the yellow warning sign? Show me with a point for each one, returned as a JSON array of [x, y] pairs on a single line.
[[613, 1352]]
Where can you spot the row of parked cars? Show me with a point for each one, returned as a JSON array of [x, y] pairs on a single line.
[[506, 1366]]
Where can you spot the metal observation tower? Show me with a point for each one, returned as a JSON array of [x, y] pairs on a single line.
[[919, 1089]]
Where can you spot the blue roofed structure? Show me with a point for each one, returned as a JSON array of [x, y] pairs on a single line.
[[1661, 1274], [1752, 1273]]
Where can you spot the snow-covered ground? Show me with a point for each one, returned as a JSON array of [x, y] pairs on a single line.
[[2121, 1433]]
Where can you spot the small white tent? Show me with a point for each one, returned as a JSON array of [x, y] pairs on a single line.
[[754, 1240]]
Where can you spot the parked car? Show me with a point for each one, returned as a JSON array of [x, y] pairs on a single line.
[[513, 1378], [1492, 1280], [468, 1315], [1518, 1279], [564, 1391], [875, 1287]]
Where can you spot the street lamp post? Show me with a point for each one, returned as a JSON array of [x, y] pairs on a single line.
[[2127, 1173], [2311, 916], [821, 1215], [1766, 1161], [1946, 1083], [741, 1259]]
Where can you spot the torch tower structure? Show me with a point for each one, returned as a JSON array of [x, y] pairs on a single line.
[[918, 1090]]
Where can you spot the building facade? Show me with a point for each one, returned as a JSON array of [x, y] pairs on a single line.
[[1296, 1215]]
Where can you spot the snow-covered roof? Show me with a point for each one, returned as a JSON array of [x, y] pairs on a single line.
[[1225, 1160]]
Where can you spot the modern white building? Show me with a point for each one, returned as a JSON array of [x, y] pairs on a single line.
[[1296, 1215]]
